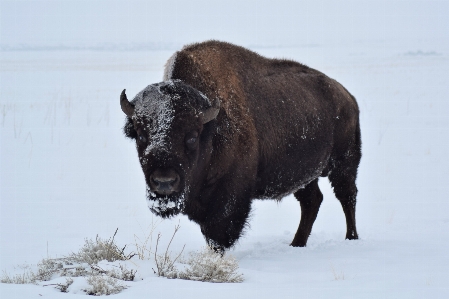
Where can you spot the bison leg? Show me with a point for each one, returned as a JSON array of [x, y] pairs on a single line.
[[310, 199], [346, 192], [343, 178], [224, 227]]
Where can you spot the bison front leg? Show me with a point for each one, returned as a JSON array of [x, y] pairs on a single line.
[[310, 199], [224, 226]]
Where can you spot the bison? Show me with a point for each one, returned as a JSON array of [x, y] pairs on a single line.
[[227, 126]]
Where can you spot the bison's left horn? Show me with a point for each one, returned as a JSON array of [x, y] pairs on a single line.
[[127, 107], [210, 113]]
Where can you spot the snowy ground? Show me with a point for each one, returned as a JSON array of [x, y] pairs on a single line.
[[67, 172]]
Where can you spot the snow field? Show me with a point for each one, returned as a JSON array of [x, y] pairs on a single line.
[[67, 173]]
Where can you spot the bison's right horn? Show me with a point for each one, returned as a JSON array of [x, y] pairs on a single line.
[[127, 107], [210, 113]]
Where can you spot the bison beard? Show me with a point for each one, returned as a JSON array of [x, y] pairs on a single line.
[[228, 126], [165, 206]]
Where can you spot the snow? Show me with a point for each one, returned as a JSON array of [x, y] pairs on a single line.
[[152, 104], [165, 205], [67, 172]]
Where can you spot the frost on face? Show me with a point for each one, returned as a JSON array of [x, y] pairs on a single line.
[[153, 119], [165, 206], [155, 111]]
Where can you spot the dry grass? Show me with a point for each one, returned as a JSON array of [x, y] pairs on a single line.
[[210, 266], [97, 250], [206, 265], [144, 246], [103, 285], [25, 278], [63, 287], [165, 264], [84, 263]]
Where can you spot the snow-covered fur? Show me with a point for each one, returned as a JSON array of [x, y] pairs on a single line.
[[281, 125]]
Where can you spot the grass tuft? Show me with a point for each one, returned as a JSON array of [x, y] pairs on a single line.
[[103, 285], [206, 265], [210, 266], [98, 250], [165, 264], [84, 263]]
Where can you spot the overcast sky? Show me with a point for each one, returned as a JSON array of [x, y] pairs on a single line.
[[267, 23]]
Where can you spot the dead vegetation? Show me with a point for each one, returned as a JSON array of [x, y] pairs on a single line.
[[98, 262], [210, 266]]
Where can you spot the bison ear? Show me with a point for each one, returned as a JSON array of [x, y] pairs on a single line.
[[127, 107], [210, 113]]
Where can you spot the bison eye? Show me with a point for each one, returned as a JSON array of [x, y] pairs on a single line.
[[141, 139], [191, 139]]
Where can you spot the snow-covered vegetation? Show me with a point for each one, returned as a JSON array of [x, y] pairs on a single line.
[[88, 265], [103, 266], [67, 173], [208, 265]]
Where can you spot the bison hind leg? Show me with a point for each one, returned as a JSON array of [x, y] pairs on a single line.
[[345, 190], [342, 178], [310, 199]]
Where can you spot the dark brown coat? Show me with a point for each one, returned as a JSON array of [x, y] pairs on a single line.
[[280, 126]]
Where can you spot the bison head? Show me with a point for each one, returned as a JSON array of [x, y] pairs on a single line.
[[171, 123]]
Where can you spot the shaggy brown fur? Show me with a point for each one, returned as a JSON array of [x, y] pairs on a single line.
[[281, 125]]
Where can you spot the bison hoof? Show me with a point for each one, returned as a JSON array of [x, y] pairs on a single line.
[[298, 244], [352, 236], [218, 249]]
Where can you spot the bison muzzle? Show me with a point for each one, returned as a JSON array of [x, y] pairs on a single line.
[[227, 126]]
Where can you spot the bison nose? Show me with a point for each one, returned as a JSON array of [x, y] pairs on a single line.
[[164, 182]]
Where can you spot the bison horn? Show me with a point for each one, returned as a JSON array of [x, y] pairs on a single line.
[[127, 107], [210, 113]]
